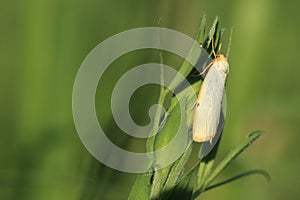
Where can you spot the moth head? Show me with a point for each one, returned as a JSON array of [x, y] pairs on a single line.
[[223, 64]]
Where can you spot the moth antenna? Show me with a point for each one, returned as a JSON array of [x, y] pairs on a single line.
[[213, 46]]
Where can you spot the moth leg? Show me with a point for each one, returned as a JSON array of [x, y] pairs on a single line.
[[205, 69], [195, 104]]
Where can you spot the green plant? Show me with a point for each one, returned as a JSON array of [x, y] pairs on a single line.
[[171, 182]]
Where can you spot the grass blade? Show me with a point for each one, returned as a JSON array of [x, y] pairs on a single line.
[[229, 43], [162, 139], [186, 67], [242, 175], [177, 169], [184, 188], [206, 165], [233, 154], [141, 188], [212, 32]]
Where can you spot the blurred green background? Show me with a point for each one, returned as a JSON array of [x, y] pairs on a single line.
[[43, 44]]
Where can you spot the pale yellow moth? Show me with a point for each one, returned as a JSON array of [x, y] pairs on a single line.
[[209, 102]]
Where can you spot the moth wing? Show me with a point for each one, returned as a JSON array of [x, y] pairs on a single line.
[[202, 116], [208, 107], [206, 147]]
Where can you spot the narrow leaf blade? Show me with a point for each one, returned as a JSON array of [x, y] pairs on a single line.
[[263, 173], [185, 187], [233, 154], [142, 187]]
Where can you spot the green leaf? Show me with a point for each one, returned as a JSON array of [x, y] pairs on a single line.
[[141, 188], [233, 154], [229, 43], [212, 32], [184, 188], [186, 67], [177, 169], [242, 175], [201, 30], [206, 165], [162, 139], [159, 111], [173, 172]]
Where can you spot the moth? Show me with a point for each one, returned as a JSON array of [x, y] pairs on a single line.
[[208, 106]]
